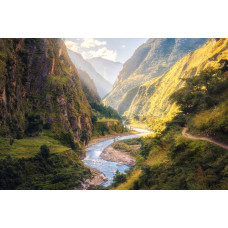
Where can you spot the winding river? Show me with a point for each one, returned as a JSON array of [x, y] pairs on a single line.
[[108, 168]]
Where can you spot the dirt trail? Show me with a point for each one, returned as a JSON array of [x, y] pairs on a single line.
[[185, 134]]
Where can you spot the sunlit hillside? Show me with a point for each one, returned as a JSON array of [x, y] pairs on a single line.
[[150, 60], [151, 101]]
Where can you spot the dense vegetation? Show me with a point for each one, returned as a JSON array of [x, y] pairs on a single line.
[[130, 146], [108, 126], [40, 88], [168, 160], [149, 105], [45, 116], [101, 111], [203, 102], [105, 120], [150, 60], [43, 171]]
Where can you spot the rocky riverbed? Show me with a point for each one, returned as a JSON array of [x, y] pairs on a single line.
[[119, 156]]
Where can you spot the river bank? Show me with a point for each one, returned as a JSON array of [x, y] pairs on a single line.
[[103, 138], [119, 156], [98, 178], [93, 158]]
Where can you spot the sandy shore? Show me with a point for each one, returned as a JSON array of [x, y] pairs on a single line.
[[122, 157]]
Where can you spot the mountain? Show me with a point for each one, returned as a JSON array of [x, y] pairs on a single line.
[[151, 100], [103, 86], [40, 88], [107, 68], [190, 152], [150, 60], [45, 117], [89, 87]]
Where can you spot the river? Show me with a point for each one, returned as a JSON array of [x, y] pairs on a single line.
[[108, 168]]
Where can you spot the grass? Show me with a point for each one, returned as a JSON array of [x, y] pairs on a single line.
[[107, 120], [130, 180], [29, 147], [129, 145]]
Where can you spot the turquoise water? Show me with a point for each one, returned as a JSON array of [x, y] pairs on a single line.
[[108, 168]]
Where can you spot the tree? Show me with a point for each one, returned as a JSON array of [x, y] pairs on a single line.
[[119, 178], [44, 151], [200, 91]]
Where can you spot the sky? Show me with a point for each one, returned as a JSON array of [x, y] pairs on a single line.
[[115, 49]]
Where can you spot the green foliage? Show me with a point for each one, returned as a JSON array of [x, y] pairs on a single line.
[[11, 141], [118, 179], [44, 151], [203, 102], [29, 147], [128, 145], [107, 126], [171, 161], [191, 165], [67, 139], [34, 125], [201, 92], [212, 122], [105, 112], [58, 171], [147, 144], [47, 87]]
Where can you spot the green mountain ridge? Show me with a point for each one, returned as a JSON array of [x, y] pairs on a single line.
[[150, 60], [47, 116], [172, 159], [40, 86], [151, 101]]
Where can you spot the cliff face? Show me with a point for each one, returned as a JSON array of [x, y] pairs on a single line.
[[39, 86], [150, 60], [152, 98]]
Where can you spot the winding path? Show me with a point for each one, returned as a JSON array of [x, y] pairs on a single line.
[[186, 135]]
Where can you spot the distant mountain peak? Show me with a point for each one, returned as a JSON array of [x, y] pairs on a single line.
[[103, 86], [107, 68]]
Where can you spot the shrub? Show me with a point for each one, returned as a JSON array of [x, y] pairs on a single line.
[[44, 151], [11, 141], [34, 125], [67, 139], [118, 179]]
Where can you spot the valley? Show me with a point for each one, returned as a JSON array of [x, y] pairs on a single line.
[[71, 120]]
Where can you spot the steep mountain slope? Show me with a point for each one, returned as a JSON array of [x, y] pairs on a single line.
[[103, 86], [40, 87], [89, 87], [152, 98], [174, 159], [107, 68], [150, 60]]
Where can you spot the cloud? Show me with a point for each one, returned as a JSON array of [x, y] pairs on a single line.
[[90, 42], [123, 46], [71, 45], [102, 52]]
